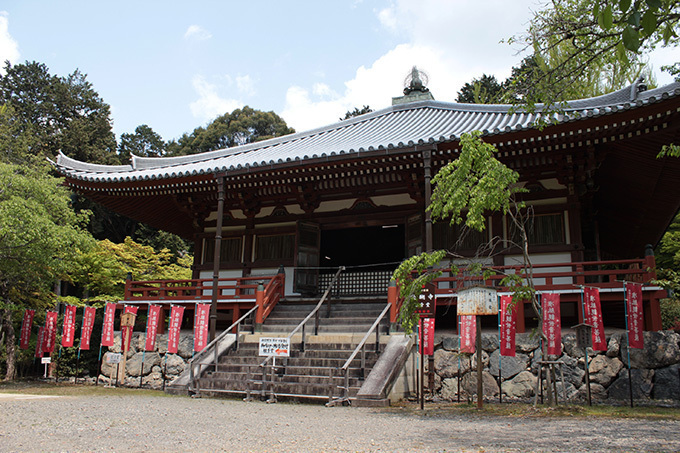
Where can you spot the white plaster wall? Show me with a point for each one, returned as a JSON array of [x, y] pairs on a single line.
[[545, 258]]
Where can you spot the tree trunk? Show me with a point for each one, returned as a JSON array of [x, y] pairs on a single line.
[[10, 344]]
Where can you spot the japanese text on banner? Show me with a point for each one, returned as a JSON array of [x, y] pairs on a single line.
[[176, 315], [152, 327], [50, 334], [201, 326], [552, 324], [427, 345], [88, 324], [26, 326], [468, 333], [634, 308], [69, 327], [591, 299], [107, 329], [508, 326]]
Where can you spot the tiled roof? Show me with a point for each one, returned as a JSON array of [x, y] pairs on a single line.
[[394, 127]]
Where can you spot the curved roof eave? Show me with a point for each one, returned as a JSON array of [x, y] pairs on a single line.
[[394, 127]]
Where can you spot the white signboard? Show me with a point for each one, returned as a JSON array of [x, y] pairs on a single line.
[[277, 347], [477, 301], [46, 360], [113, 357]]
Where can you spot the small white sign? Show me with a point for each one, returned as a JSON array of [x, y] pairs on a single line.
[[477, 301], [277, 347], [46, 360], [113, 357]]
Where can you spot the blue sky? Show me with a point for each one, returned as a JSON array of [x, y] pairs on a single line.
[[177, 65]]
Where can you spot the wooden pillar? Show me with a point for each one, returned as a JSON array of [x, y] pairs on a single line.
[[652, 315], [217, 256], [161, 321], [427, 164], [520, 328]]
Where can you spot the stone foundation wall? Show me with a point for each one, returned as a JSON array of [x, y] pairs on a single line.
[[655, 369], [158, 365]]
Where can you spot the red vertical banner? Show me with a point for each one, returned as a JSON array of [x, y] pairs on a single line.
[[591, 299], [552, 325], [468, 333], [39, 342], [201, 326], [131, 309], [634, 308], [176, 315], [427, 337], [508, 326], [107, 328], [26, 326], [86, 331], [50, 334], [152, 327], [69, 326]]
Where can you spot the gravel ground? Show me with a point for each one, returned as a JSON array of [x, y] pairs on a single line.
[[160, 423]]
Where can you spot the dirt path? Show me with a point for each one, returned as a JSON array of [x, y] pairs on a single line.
[[162, 423]]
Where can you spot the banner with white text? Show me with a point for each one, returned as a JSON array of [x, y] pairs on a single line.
[[176, 315], [107, 328], [552, 324], [26, 327], [69, 326], [634, 309], [508, 326], [152, 327], [201, 326], [88, 323], [593, 311]]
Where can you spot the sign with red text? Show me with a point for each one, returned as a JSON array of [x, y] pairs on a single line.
[[468, 333], [152, 327], [427, 338], [201, 326], [591, 298], [426, 301], [131, 309], [26, 326], [508, 326], [176, 315], [50, 333], [552, 324], [69, 326], [277, 347], [107, 328], [634, 309], [88, 324]]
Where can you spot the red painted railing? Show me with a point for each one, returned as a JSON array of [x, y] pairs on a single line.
[[558, 276], [240, 290]]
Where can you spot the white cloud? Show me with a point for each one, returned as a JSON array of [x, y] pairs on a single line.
[[245, 85], [197, 32], [210, 104], [9, 48], [452, 42]]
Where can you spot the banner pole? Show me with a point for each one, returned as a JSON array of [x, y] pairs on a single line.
[[141, 370], [422, 364], [585, 348], [625, 310], [99, 364], [75, 379], [460, 344], [500, 356]]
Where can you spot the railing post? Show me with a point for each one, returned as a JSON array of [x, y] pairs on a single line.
[[649, 264], [302, 343], [392, 299], [259, 301]]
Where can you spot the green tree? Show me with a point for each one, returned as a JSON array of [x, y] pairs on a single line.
[[40, 237], [356, 112], [144, 142], [102, 270], [600, 42], [63, 113], [240, 127], [484, 90]]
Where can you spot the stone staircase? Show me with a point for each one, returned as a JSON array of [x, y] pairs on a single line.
[[309, 375]]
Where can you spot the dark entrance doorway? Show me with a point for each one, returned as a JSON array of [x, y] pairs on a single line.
[[378, 248]]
